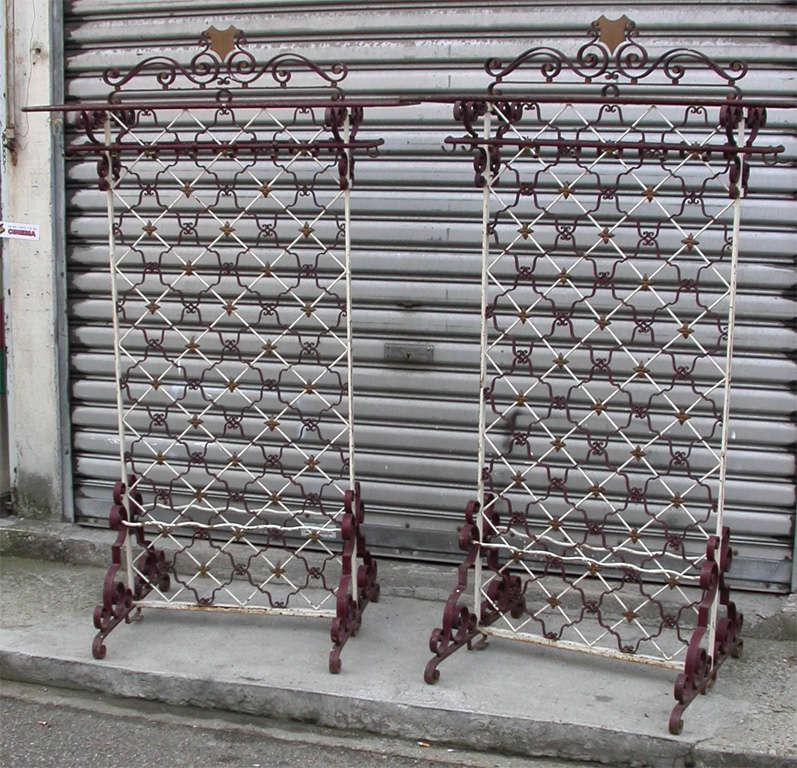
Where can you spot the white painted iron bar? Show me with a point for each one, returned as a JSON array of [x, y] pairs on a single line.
[[164, 528], [607, 653], [726, 406], [482, 367], [224, 608], [599, 564], [120, 423], [349, 361]]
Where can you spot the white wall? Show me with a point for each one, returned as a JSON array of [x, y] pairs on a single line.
[[33, 271]]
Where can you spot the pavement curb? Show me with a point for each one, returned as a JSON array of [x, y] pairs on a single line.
[[478, 731], [57, 542], [470, 730], [714, 758]]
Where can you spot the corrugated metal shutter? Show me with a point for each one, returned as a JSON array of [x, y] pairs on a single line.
[[417, 239]]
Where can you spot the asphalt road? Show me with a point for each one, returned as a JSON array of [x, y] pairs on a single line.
[[68, 729]]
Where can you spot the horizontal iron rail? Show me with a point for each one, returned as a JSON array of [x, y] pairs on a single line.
[[231, 527], [310, 613], [557, 97], [615, 145], [602, 564], [608, 653], [167, 103], [184, 146], [561, 96]]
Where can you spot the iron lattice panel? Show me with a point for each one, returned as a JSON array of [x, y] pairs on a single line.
[[230, 272], [608, 286]]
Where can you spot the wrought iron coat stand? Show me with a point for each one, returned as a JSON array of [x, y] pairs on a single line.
[[609, 267], [611, 189], [227, 190]]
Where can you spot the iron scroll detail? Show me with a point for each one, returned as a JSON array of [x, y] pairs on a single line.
[[223, 70], [460, 624], [703, 659], [359, 580], [118, 599], [614, 55]]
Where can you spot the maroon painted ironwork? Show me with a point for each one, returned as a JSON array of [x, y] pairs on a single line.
[[361, 583], [229, 252], [702, 659], [460, 624], [609, 268], [608, 282], [117, 596]]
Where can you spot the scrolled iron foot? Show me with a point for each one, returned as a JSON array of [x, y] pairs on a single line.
[[98, 649], [349, 612], [695, 680], [431, 674], [118, 599], [676, 723], [702, 663], [443, 646], [460, 624]]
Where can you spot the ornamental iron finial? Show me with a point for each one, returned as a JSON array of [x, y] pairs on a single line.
[[612, 32], [222, 41]]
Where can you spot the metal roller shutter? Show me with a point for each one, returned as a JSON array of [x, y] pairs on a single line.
[[416, 233]]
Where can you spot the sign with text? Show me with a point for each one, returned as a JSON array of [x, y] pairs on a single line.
[[19, 231]]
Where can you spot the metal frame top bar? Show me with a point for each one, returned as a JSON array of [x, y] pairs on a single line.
[[561, 96], [178, 104], [425, 98], [184, 146], [609, 146]]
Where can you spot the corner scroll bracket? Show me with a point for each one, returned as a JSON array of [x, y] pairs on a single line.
[[118, 598], [460, 625], [703, 662], [362, 584]]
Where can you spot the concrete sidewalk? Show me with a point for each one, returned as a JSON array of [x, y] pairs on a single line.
[[508, 698]]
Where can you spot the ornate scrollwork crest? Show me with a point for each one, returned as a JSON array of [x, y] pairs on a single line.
[[223, 66], [613, 56]]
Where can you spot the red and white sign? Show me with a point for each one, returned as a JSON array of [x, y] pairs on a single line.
[[19, 231]]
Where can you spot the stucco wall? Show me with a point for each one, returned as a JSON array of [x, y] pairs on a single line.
[[33, 270]]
